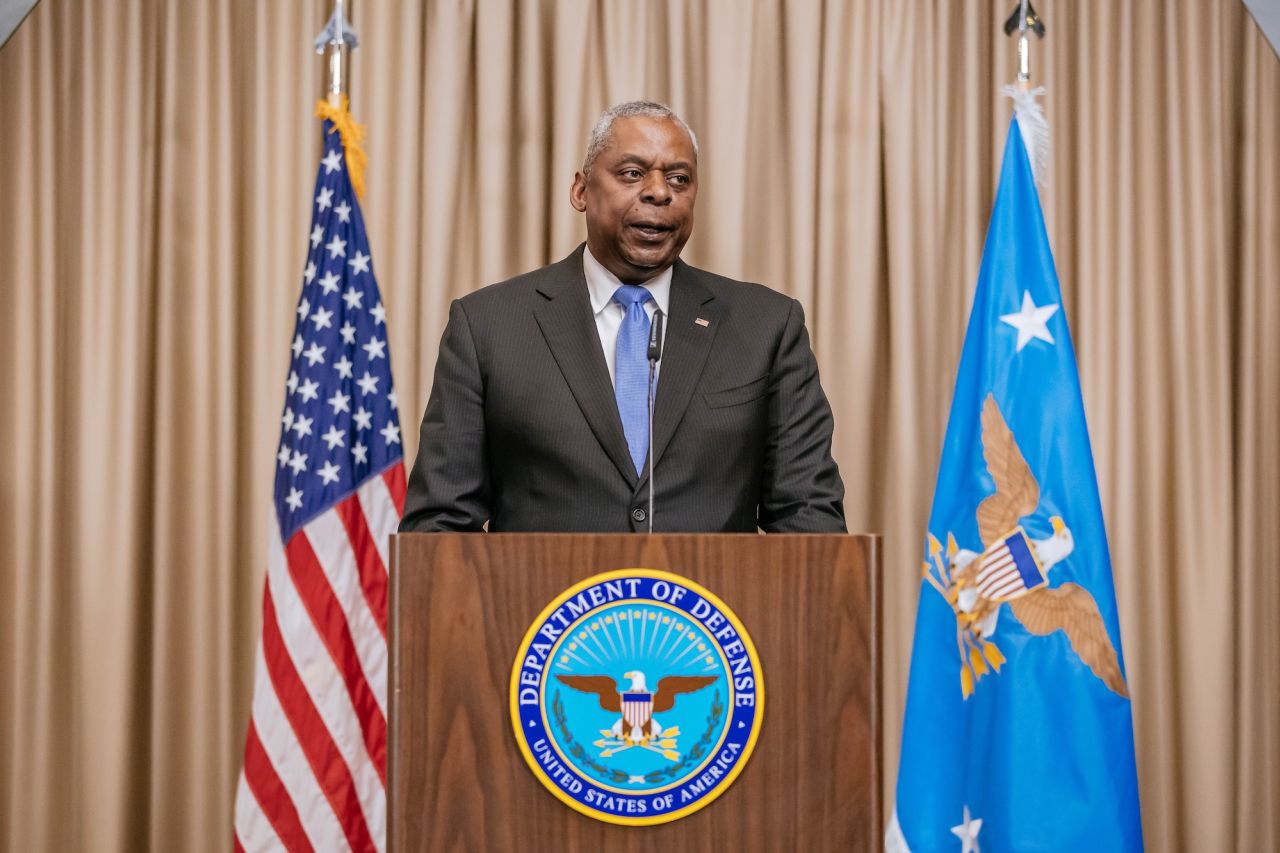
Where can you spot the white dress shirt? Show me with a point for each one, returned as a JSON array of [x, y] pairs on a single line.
[[601, 285]]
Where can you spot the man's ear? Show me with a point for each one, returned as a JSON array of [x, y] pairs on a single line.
[[578, 192]]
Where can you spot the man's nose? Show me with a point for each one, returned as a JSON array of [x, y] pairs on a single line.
[[656, 190]]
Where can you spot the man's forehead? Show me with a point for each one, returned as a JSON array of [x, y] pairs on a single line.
[[639, 138]]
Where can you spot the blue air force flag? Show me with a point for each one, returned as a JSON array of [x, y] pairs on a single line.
[[1018, 732]]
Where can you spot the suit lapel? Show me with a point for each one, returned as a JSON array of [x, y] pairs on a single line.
[[684, 353], [570, 331]]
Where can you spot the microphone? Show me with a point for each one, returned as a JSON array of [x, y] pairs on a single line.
[[655, 340], [655, 355]]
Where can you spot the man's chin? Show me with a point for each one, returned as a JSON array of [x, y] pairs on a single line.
[[648, 263]]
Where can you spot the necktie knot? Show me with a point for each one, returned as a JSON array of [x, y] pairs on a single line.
[[631, 294]]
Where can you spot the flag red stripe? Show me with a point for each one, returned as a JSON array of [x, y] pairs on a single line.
[[271, 795], [394, 478], [331, 624], [373, 575], [237, 846], [331, 771]]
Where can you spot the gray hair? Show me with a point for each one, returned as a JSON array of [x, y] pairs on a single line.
[[598, 140]]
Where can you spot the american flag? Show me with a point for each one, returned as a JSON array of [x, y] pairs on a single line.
[[314, 775], [1009, 568]]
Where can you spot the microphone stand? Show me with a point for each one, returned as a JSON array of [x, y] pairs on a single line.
[[655, 355]]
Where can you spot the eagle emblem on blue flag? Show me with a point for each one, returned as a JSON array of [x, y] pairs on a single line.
[[1014, 569]]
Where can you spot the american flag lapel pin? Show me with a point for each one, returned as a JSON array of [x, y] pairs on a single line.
[[703, 323]]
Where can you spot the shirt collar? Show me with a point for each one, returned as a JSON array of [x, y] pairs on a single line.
[[601, 285]]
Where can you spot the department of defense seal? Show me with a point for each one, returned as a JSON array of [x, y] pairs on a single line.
[[636, 697]]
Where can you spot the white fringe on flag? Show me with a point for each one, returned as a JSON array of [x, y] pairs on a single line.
[[1034, 127]]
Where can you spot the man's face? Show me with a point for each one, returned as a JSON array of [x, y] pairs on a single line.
[[639, 197]]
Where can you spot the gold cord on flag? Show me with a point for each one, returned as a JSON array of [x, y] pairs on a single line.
[[352, 138]]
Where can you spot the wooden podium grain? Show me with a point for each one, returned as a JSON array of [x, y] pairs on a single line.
[[460, 605]]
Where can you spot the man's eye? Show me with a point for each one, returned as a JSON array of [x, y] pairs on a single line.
[[682, 180], [632, 173]]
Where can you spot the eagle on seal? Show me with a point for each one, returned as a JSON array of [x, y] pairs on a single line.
[[1041, 609], [637, 704]]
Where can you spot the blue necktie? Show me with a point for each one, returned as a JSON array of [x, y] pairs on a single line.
[[631, 370]]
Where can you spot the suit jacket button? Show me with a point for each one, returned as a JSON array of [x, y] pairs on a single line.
[[638, 514]]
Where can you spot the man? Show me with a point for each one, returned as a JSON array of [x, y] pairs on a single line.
[[538, 417]]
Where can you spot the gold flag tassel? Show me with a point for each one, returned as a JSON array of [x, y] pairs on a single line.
[[352, 139]]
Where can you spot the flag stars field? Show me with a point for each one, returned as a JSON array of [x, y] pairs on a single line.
[[322, 318], [329, 284], [334, 437]]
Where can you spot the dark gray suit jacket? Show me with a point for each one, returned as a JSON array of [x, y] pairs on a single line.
[[522, 428]]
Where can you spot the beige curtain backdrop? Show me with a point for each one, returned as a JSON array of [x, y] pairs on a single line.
[[155, 173]]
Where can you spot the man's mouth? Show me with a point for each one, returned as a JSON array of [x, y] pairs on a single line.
[[651, 230]]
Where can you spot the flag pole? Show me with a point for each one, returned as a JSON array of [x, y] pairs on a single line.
[[337, 48], [1024, 49], [336, 40], [1026, 21], [1031, 119]]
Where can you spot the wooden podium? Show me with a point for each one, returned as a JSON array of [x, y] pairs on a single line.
[[461, 604]]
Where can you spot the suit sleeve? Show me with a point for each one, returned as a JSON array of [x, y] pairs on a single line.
[[801, 490], [449, 488]]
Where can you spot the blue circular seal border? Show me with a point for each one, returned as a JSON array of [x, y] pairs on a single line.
[[666, 801]]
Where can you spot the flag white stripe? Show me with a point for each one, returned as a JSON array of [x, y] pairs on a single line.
[[332, 547], [1011, 585], [381, 515], [253, 828], [325, 685], [995, 564], [999, 577], [285, 753]]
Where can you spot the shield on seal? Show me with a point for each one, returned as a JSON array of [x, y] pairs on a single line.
[[637, 708]]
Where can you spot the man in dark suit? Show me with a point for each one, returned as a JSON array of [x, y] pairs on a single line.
[[537, 419]]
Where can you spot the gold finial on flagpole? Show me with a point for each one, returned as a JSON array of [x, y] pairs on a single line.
[[1024, 19]]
